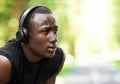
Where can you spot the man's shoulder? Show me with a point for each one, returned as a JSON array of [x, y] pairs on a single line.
[[12, 51], [59, 49], [59, 52], [9, 49]]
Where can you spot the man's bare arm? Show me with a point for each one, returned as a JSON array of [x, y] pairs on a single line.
[[5, 69]]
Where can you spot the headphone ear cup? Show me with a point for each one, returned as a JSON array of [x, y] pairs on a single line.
[[22, 35], [19, 35], [26, 35]]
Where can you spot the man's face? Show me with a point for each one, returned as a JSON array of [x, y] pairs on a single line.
[[43, 35]]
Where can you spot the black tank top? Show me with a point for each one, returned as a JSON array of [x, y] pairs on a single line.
[[26, 72]]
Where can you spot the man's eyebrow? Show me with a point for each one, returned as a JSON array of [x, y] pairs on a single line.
[[47, 27]]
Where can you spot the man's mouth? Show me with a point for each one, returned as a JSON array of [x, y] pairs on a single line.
[[52, 48]]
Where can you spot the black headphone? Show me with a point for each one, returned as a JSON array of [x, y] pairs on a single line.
[[22, 35]]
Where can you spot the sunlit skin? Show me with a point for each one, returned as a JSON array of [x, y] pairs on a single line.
[[42, 37]]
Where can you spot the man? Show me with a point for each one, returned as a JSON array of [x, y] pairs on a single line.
[[33, 57]]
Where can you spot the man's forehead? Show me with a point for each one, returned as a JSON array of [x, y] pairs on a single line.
[[43, 17]]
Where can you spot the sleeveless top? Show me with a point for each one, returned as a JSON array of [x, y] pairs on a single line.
[[26, 72]]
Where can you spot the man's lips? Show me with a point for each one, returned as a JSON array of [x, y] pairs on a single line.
[[52, 48]]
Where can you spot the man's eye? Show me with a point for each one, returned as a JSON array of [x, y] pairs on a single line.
[[45, 31]]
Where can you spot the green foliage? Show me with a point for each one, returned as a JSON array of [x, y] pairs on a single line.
[[5, 9], [116, 13], [48, 3], [117, 64], [5, 12]]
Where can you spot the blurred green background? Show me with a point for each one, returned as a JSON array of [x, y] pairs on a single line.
[[86, 27]]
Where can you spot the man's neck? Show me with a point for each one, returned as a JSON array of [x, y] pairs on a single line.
[[29, 55]]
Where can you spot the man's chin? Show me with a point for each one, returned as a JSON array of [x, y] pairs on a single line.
[[50, 55]]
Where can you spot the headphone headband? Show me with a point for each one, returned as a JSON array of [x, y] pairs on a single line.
[[24, 15]]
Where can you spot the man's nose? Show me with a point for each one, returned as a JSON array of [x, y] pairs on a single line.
[[53, 37]]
